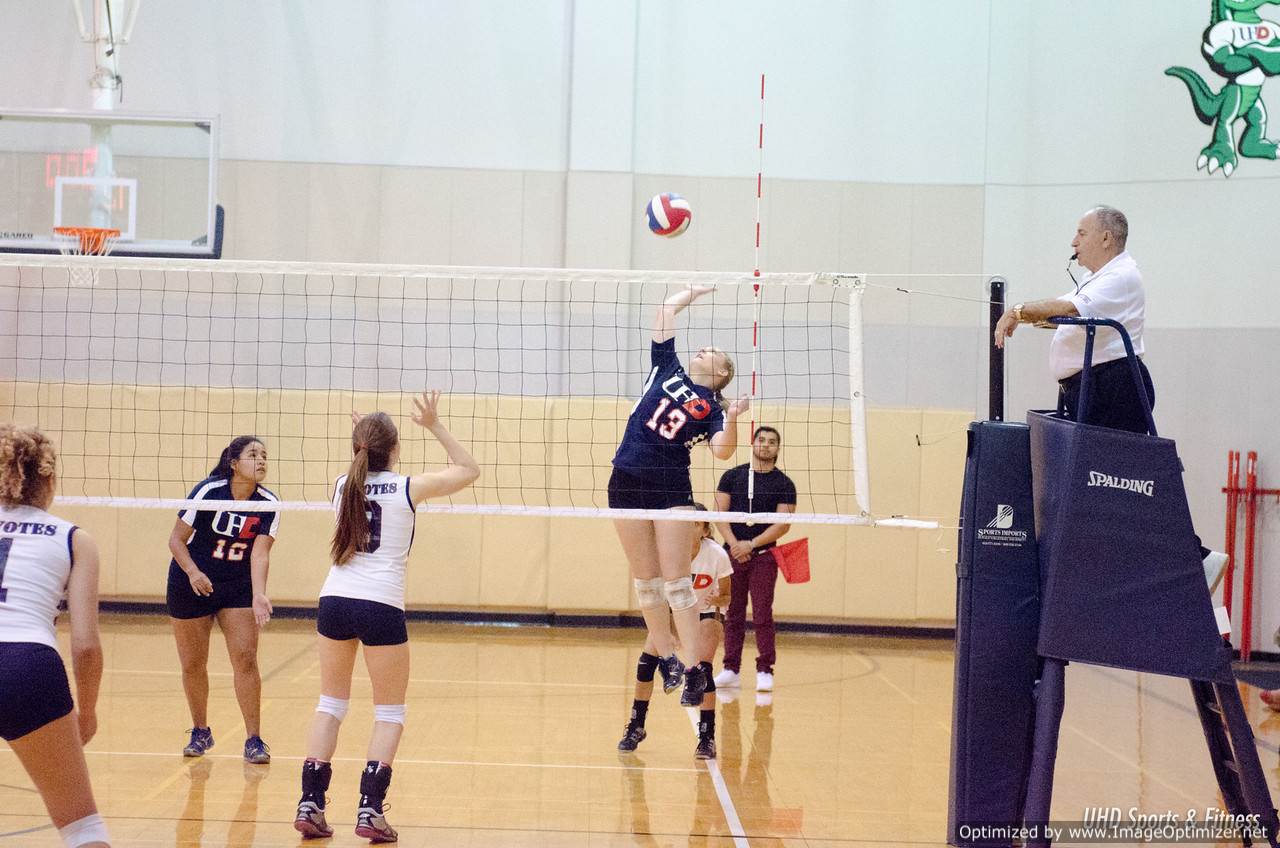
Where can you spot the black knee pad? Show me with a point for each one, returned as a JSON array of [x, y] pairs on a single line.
[[646, 668]]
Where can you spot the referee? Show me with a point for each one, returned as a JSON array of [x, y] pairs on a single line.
[[1112, 289]]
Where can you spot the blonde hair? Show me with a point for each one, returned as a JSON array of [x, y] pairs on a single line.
[[28, 463], [728, 364]]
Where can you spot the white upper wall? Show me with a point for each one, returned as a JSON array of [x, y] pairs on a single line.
[[656, 87]]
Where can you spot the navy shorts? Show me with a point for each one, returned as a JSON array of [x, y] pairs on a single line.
[[33, 688], [354, 618], [183, 602], [657, 489]]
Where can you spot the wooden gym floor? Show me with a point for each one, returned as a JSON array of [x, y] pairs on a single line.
[[511, 734]]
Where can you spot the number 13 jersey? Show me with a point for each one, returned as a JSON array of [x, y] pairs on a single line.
[[672, 416], [375, 571]]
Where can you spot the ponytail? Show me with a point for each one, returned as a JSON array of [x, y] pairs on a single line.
[[353, 521], [372, 442]]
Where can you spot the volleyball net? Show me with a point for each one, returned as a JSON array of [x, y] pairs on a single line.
[[143, 377]]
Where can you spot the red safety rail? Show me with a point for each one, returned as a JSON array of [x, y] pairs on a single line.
[[1247, 495]]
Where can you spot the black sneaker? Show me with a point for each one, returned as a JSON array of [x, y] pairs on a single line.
[[695, 686], [672, 671], [633, 737], [706, 749]]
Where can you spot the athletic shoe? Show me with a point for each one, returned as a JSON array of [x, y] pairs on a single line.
[[695, 686], [728, 677], [634, 736], [764, 681], [256, 751], [672, 671], [372, 825], [1271, 698], [201, 741], [310, 821], [1215, 565], [706, 749], [764, 699]]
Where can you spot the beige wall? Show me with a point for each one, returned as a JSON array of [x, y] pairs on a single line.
[[526, 563]]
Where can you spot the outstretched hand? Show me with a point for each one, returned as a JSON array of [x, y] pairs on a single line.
[[739, 406], [427, 409], [699, 291]]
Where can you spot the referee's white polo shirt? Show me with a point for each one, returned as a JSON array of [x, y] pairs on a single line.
[[1114, 292]]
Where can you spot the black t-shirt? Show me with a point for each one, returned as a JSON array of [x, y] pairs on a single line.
[[771, 490]]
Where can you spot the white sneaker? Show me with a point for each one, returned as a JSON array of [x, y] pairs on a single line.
[[764, 699], [1215, 565], [728, 677], [764, 681]]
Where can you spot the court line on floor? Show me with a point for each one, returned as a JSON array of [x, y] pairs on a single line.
[[399, 761], [427, 680], [722, 791]]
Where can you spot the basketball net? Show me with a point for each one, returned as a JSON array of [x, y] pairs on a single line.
[[85, 241]]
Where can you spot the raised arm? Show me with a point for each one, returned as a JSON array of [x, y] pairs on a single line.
[[464, 469], [725, 442], [664, 323], [86, 646]]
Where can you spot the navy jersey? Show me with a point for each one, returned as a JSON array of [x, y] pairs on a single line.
[[672, 416], [222, 541]]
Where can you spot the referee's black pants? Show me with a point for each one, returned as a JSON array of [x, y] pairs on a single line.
[[1113, 398], [1113, 401]]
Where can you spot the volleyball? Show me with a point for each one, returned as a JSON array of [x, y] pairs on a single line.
[[669, 214]]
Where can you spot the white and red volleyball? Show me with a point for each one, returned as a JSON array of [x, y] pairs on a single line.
[[669, 214]]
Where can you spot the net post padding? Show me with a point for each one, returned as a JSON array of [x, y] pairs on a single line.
[[85, 241]]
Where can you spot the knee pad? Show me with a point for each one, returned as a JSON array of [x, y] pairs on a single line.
[[83, 831], [680, 593], [711, 684], [335, 707], [646, 668], [390, 713], [649, 593]]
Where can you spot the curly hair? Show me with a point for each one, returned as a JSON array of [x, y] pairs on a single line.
[[28, 463]]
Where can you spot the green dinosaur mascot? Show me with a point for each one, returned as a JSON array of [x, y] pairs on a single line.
[[1244, 48]]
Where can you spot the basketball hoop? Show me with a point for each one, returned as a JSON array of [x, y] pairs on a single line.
[[85, 241]]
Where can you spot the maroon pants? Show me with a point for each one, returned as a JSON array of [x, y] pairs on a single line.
[[755, 577]]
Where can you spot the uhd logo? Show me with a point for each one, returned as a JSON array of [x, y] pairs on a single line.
[[1107, 481], [1003, 519]]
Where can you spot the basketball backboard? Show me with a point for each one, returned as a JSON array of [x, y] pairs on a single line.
[[152, 177]]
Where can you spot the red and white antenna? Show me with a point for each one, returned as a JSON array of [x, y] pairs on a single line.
[[755, 318]]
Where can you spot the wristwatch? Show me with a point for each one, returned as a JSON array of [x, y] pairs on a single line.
[[1017, 311]]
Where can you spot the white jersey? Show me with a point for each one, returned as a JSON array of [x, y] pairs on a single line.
[[377, 573], [35, 563], [708, 567]]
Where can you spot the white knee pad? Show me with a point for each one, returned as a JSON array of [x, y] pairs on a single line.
[[649, 593], [390, 713], [680, 593], [335, 707], [89, 829]]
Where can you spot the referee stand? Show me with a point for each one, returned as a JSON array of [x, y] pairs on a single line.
[[1076, 544]]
